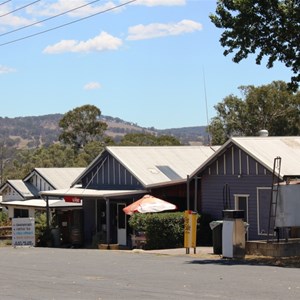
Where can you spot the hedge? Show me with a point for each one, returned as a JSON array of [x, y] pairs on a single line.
[[166, 230]]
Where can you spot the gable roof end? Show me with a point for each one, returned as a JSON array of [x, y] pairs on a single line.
[[264, 150]]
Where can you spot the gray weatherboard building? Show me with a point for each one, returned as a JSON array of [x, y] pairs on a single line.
[[245, 165]]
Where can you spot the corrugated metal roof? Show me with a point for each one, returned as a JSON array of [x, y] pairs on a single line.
[[41, 203], [60, 178], [24, 189], [90, 193], [147, 163], [265, 149]]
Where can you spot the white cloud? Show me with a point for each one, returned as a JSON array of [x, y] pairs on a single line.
[[92, 86], [160, 2], [102, 42], [13, 20], [4, 70], [155, 30], [50, 9]]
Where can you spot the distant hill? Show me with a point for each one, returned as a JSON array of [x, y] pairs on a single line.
[[34, 131]]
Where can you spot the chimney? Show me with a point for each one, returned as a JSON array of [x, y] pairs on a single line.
[[263, 133]]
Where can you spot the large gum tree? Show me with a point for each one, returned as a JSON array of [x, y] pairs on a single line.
[[273, 107], [268, 28], [81, 126]]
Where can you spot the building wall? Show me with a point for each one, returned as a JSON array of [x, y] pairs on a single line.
[[244, 177], [108, 174], [177, 194], [89, 220], [39, 182], [250, 187], [10, 194], [11, 209]]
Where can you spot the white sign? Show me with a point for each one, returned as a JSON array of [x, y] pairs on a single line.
[[23, 232]]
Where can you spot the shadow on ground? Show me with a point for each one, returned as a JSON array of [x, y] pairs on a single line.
[[287, 262]]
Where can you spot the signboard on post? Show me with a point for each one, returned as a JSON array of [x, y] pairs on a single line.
[[190, 230], [23, 232]]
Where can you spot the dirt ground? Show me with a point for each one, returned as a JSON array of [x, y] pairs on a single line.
[[289, 262]]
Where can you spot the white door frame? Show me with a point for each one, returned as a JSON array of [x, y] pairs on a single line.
[[236, 206], [236, 203]]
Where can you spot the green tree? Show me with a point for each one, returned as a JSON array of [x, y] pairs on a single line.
[[55, 155], [273, 107], [269, 28], [147, 139], [81, 126]]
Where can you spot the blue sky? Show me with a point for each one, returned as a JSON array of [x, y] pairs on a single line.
[[148, 62]]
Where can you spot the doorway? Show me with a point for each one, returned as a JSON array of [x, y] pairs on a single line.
[[122, 226], [241, 203]]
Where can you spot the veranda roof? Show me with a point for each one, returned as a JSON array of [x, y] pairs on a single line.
[[40, 203], [90, 193]]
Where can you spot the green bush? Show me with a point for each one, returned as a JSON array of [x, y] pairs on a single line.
[[4, 219], [163, 230], [42, 233], [166, 230]]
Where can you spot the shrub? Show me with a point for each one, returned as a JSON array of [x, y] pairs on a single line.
[[42, 233], [4, 219], [163, 230]]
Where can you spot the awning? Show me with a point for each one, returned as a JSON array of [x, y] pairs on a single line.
[[40, 203], [90, 193]]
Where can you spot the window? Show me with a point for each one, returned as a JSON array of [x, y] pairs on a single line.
[[21, 213], [263, 209], [169, 172]]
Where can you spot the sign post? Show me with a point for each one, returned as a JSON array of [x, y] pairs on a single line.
[[23, 232], [190, 230]]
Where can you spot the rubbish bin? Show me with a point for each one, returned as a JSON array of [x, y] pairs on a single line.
[[216, 227]]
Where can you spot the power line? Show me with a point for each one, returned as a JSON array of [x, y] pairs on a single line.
[[66, 24], [47, 19], [5, 2], [19, 8]]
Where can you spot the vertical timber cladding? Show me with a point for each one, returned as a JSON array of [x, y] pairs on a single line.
[[243, 175], [109, 173]]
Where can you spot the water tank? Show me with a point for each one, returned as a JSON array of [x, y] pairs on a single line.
[[263, 133], [288, 205]]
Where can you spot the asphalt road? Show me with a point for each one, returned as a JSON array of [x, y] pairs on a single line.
[[46, 273]]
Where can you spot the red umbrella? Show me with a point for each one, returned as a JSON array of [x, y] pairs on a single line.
[[148, 204]]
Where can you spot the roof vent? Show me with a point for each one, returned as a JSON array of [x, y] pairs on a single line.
[[263, 133]]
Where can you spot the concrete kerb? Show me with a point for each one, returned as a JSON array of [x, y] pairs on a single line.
[[201, 252]]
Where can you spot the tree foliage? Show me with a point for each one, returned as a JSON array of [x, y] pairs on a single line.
[[273, 107], [82, 139], [81, 126], [54, 156], [270, 28], [147, 139]]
